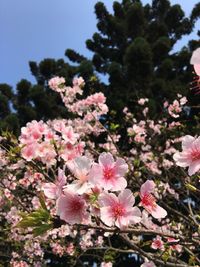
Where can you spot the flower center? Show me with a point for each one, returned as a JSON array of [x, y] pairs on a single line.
[[149, 201], [76, 205], [108, 173], [158, 243], [195, 155], [118, 210]]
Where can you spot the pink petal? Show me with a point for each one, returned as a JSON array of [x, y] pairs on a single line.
[[196, 143], [79, 188], [187, 141], [195, 59], [50, 190], [122, 222], [118, 184], [147, 187], [197, 69], [121, 167], [126, 197], [106, 159], [159, 212], [194, 167], [136, 215], [106, 216], [61, 177], [107, 199], [181, 159], [95, 174]]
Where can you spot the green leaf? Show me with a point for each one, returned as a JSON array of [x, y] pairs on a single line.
[[114, 126], [42, 229], [39, 220], [42, 201], [166, 255]]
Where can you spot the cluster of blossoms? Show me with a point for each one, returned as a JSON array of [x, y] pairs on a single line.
[[176, 107], [38, 141], [62, 192], [100, 180], [91, 107]]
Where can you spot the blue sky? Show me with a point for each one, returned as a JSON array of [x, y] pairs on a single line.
[[38, 29]]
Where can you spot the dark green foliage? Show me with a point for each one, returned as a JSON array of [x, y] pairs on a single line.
[[133, 47]]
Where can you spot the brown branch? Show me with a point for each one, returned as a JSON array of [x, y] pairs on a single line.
[[150, 256]]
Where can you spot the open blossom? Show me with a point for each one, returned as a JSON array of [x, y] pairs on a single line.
[[174, 109], [158, 243], [119, 210], [108, 174], [54, 190], [69, 135], [148, 201], [56, 83], [142, 101], [195, 61], [78, 81], [190, 155], [174, 246], [80, 168], [71, 207]]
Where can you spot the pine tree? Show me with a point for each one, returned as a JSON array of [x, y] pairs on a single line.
[[134, 47]]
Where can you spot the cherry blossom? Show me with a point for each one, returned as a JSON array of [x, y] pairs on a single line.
[[190, 155], [86, 196], [56, 83], [80, 168], [71, 207], [158, 243], [148, 201], [54, 190], [119, 210], [108, 173], [174, 246], [174, 109]]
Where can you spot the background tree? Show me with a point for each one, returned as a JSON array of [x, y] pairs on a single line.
[[133, 48]]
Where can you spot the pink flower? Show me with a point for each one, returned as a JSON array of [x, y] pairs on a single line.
[[78, 81], [29, 151], [174, 109], [148, 264], [119, 210], [71, 207], [174, 246], [183, 101], [190, 155], [148, 201], [56, 83], [54, 190], [142, 101], [195, 61], [157, 243], [80, 168], [108, 173], [69, 135]]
